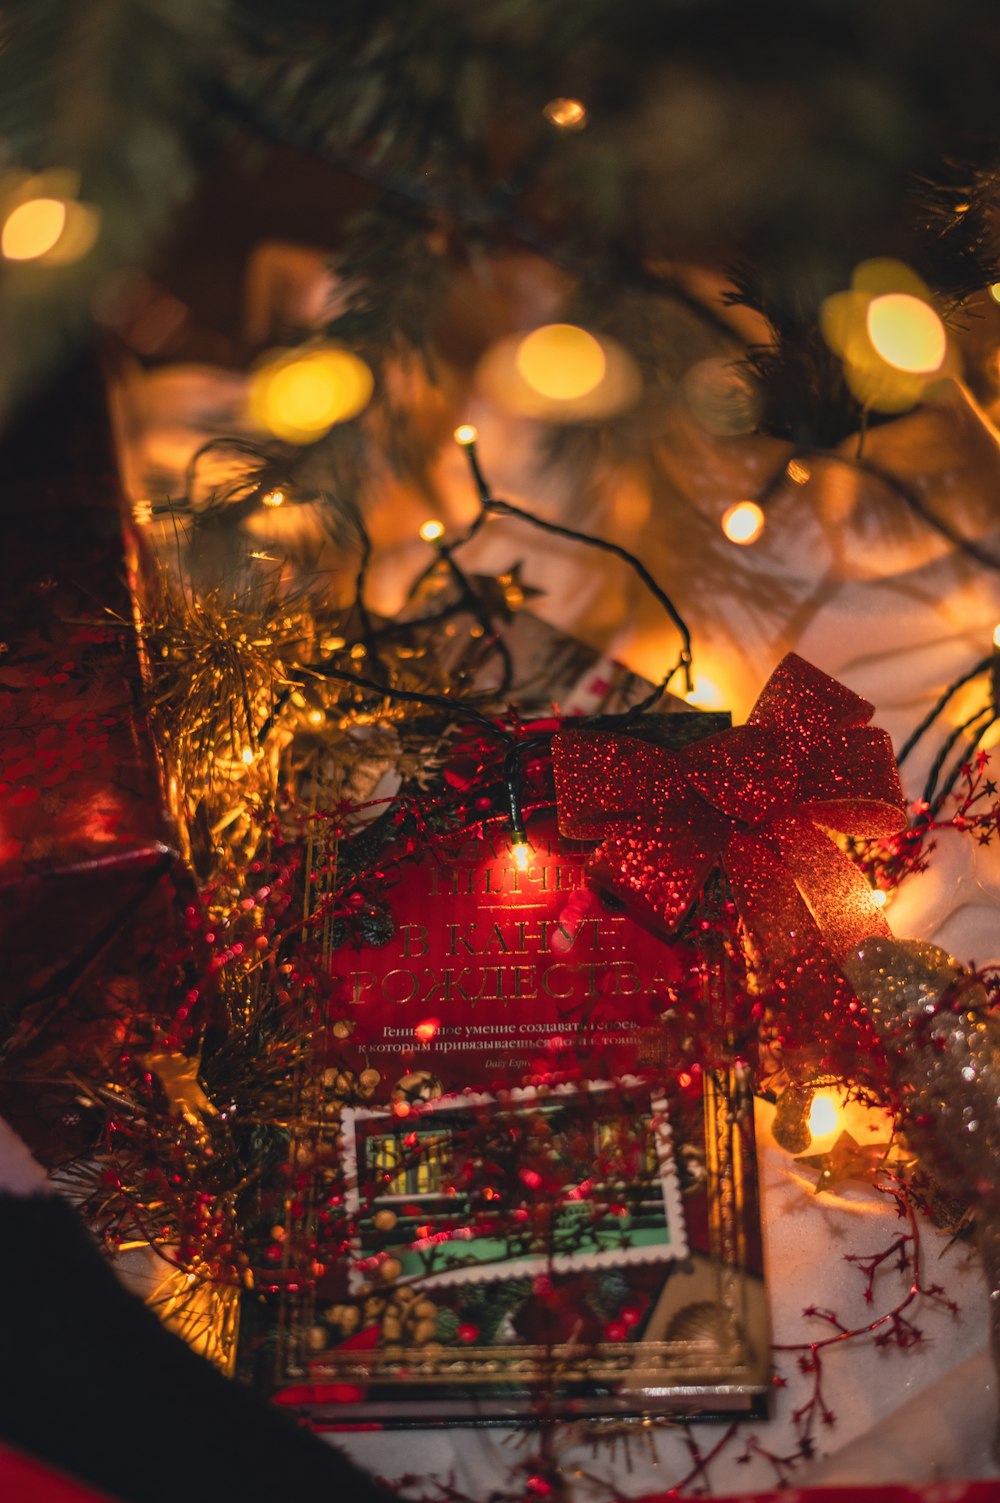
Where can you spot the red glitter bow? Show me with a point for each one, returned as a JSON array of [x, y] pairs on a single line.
[[749, 801]]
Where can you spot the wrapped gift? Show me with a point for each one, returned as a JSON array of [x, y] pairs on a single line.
[[88, 869]]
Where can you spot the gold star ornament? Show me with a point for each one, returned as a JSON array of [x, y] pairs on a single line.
[[178, 1075], [847, 1159]]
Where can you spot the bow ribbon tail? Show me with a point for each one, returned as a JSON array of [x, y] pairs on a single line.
[[840, 899], [785, 940]]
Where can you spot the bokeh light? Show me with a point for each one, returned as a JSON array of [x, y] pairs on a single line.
[[273, 498], [33, 229], [431, 531], [299, 396], [521, 854], [465, 434], [907, 333], [561, 361], [567, 114], [889, 335], [824, 1114], [559, 373], [743, 522], [705, 694]]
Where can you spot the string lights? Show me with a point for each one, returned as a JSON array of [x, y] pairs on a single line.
[[743, 522], [566, 114]]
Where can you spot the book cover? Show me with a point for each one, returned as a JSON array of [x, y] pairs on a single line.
[[544, 1214]]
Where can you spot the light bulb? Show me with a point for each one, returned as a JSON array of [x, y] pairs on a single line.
[[521, 853], [431, 531], [246, 755], [561, 361], [465, 434], [299, 396], [33, 229], [273, 498], [743, 522], [907, 333], [824, 1115], [567, 114], [705, 694]]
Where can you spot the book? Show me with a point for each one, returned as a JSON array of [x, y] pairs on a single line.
[[545, 1215]]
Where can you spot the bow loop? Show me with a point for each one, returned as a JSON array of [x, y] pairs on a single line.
[[754, 801]]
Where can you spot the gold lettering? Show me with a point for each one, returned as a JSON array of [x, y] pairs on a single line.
[[622, 971], [361, 981], [497, 994], [616, 939], [414, 934], [455, 939], [525, 975], [525, 941], [411, 984], [547, 986], [452, 988], [591, 970], [496, 941]]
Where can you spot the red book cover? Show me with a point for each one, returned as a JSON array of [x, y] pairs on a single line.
[[544, 1212]]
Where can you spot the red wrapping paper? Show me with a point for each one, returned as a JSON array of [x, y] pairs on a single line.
[[25, 1480], [87, 859]]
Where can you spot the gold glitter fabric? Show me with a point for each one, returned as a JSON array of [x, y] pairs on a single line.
[[942, 1045], [943, 1050], [750, 801]]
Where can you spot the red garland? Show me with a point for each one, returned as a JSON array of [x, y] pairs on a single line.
[[755, 802]]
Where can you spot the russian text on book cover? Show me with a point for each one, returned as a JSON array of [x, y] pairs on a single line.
[[545, 1213]]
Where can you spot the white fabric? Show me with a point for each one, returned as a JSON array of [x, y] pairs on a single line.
[[845, 576]]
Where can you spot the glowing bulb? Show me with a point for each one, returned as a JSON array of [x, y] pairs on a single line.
[[996, 635], [706, 694], [299, 397], [32, 229], [907, 333], [273, 498], [743, 522], [880, 896], [521, 854], [431, 531], [466, 434], [995, 291], [824, 1115], [561, 361], [316, 717], [567, 114], [426, 1030], [246, 755]]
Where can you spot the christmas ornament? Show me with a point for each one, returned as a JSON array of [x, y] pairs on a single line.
[[943, 1050], [846, 1160]]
